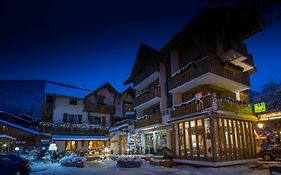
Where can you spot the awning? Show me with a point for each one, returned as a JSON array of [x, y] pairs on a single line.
[[78, 137], [4, 136]]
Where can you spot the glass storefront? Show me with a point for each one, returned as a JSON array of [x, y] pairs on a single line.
[[231, 139]]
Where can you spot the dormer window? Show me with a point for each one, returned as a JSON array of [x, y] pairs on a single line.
[[73, 101]]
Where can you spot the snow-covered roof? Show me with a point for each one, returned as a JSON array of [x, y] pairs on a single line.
[[63, 90], [7, 137], [19, 127], [18, 117], [78, 137], [118, 127]]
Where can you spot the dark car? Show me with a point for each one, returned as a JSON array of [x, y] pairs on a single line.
[[13, 165], [271, 153]]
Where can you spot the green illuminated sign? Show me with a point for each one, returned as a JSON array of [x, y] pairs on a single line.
[[260, 107]]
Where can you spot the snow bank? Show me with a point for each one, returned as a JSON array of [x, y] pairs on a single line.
[[72, 158]]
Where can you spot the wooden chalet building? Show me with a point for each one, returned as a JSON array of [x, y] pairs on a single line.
[[79, 120], [192, 96], [18, 132]]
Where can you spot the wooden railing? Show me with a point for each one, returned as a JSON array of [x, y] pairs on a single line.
[[72, 129], [203, 66], [155, 118], [209, 102], [152, 93], [100, 108]]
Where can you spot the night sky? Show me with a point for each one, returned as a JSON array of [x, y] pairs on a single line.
[[86, 43]]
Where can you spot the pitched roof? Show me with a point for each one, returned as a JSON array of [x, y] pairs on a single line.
[[22, 128], [144, 50], [241, 22], [59, 89], [107, 86]]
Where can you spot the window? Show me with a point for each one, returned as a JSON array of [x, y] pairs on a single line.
[[73, 101], [49, 99], [127, 107], [198, 95], [70, 145], [72, 119], [99, 100], [97, 120]]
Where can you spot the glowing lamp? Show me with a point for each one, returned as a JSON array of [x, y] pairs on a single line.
[[53, 147], [5, 145], [260, 125], [17, 148]]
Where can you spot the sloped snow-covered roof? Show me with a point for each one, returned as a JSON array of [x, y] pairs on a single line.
[[118, 127], [19, 127], [63, 90], [78, 137], [7, 137]]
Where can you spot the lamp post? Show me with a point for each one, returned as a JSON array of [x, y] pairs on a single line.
[[17, 150], [52, 148]]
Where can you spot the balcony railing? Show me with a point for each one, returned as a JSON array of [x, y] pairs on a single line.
[[146, 96], [155, 118], [210, 102], [206, 65], [72, 129], [100, 108]]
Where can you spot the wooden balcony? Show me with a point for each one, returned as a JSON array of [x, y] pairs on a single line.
[[72, 129], [147, 96], [208, 102], [100, 108], [155, 118], [222, 77]]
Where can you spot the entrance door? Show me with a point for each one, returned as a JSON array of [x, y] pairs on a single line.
[[149, 144]]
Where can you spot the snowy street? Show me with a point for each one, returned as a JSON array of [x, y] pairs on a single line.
[[109, 167]]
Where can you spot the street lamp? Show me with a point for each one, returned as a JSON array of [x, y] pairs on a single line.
[[260, 125], [52, 148]]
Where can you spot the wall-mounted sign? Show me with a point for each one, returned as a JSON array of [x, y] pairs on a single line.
[[260, 107], [270, 116]]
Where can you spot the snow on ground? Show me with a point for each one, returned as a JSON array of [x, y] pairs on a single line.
[[108, 167]]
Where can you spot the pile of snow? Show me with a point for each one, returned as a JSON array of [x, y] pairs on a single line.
[[73, 157], [129, 158]]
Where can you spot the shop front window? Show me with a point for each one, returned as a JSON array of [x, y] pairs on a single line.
[[96, 147], [193, 138], [208, 137], [187, 140], [70, 145]]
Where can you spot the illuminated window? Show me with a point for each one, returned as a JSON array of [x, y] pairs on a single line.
[[70, 145]]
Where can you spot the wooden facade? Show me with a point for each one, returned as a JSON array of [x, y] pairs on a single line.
[[208, 65], [100, 108], [214, 139], [153, 119]]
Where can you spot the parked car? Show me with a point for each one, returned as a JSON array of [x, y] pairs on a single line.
[[271, 153], [13, 165]]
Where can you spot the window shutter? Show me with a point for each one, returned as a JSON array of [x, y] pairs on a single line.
[[79, 119], [64, 118], [103, 119], [90, 119]]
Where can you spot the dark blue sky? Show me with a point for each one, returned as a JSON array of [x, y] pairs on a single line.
[[86, 43]]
